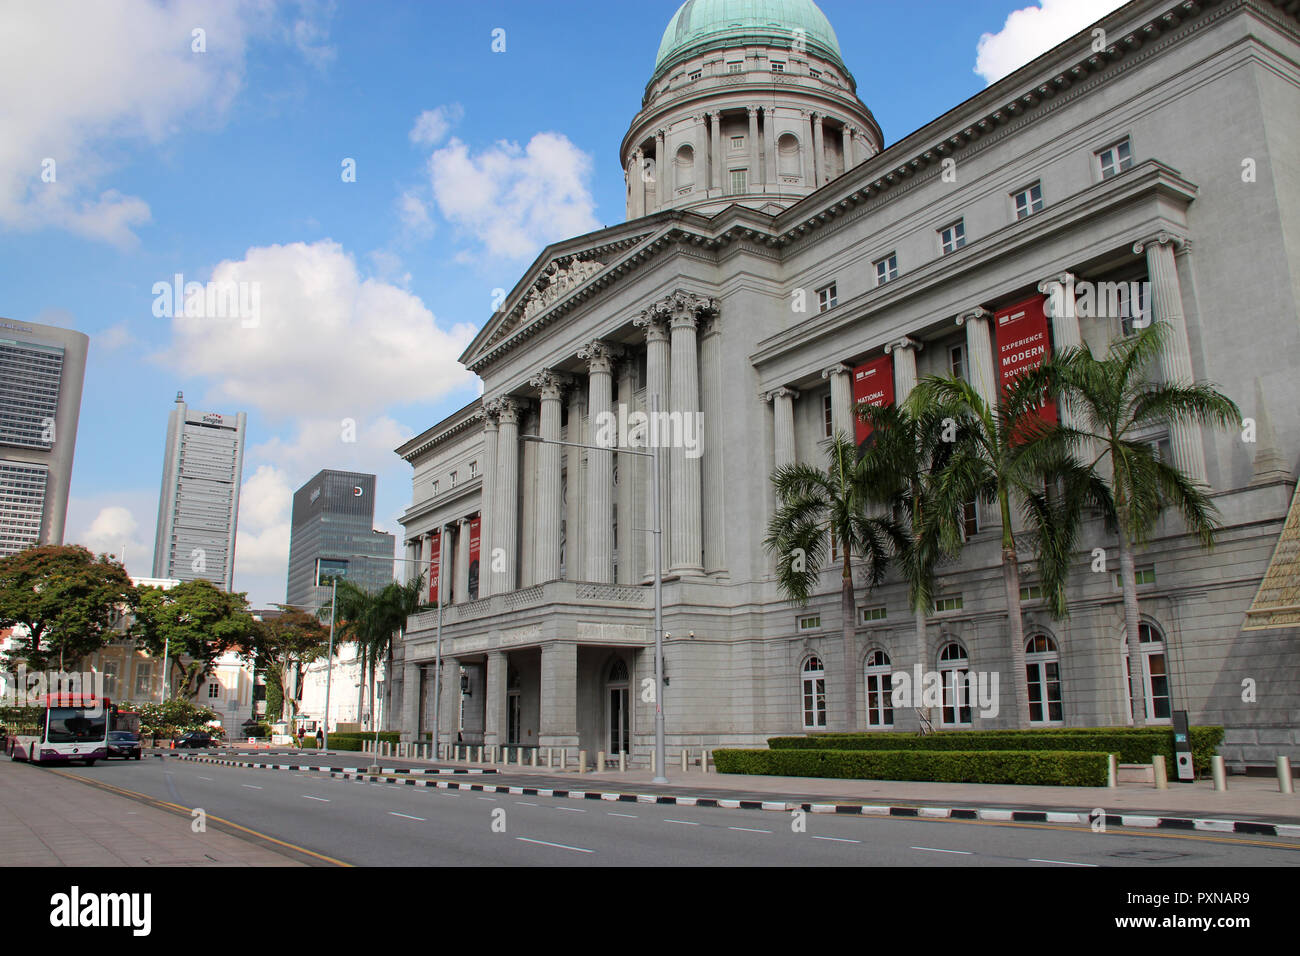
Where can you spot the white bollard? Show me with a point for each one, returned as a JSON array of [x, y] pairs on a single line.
[[685, 758], [550, 757], [600, 761], [652, 762], [622, 761], [532, 758], [1158, 771], [564, 756], [1220, 773], [1112, 770], [582, 761], [1284, 782], [704, 761]]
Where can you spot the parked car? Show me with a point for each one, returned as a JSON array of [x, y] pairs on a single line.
[[125, 744], [194, 739]]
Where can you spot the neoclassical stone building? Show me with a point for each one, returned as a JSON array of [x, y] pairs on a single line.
[[778, 261]]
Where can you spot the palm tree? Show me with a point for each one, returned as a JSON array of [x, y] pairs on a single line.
[[818, 510], [1113, 403], [1006, 454]]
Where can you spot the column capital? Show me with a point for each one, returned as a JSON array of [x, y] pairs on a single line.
[[654, 323], [1063, 279], [683, 308], [906, 342], [979, 312], [660, 133], [550, 383], [837, 369], [599, 355], [784, 391], [1161, 238], [505, 409], [752, 111]]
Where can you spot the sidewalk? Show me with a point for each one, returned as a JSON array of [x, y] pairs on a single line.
[[1246, 797], [49, 820]]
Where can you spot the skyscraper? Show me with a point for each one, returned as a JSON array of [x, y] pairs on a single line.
[[333, 519], [199, 503], [41, 373]]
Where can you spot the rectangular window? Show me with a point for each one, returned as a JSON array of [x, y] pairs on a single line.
[[473, 469], [810, 622], [1146, 574], [827, 417], [1029, 201], [692, 77], [815, 74], [435, 488], [870, 614], [953, 237], [1116, 158], [737, 144], [1162, 448], [214, 690], [144, 680], [778, 66], [737, 181], [886, 269], [1031, 592], [110, 679], [970, 520], [953, 603], [1134, 306], [826, 298], [736, 66], [957, 362], [453, 479]]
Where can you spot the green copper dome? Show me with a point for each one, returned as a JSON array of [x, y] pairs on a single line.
[[704, 23]]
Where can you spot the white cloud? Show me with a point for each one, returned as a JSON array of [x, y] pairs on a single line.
[[1032, 31], [329, 344], [514, 200], [262, 536], [113, 527], [414, 214], [432, 126], [114, 337]]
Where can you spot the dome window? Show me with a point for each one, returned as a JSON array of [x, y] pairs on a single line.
[[778, 66]]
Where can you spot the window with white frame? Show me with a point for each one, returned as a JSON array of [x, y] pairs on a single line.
[[1133, 304], [736, 66], [737, 144], [880, 702], [214, 690], [869, 615], [473, 469], [1115, 158], [815, 74], [144, 679], [957, 362], [953, 602], [814, 694], [886, 269], [1043, 672], [778, 66], [1031, 592], [1155, 674], [970, 519], [1028, 200], [827, 297], [453, 479], [737, 181], [953, 237], [435, 487], [828, 417], [954, 674], [693, 76], [1146, 574], [810, 622], [111, 672]]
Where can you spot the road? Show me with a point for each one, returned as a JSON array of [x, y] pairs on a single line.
[[384, 824]]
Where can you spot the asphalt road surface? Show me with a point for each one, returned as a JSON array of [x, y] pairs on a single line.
[[384, 824]]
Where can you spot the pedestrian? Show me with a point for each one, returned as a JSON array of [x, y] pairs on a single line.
[[320, 739]]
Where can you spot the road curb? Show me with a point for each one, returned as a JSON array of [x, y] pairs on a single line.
[[258, 765], [998, 815]]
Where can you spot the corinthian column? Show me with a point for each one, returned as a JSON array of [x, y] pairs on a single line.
[[842, 419], [507, 495], [638, 184], [717, 149], [661, 171], [599, 545], [711, 461], [655, 325], [819, 150], [700, 170], [627, 470], [546, 539], [904, 351], [846, 146], [806, 150], [462, 560], [575, 517], [782, 400], [769, 146], [752, 179], [979, 353], [1176, 355], [488, 503], [685, 310]]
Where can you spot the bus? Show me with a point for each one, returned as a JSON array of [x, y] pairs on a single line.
[[68, 727]]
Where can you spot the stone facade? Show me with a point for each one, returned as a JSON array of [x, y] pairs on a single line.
[[747, 318]]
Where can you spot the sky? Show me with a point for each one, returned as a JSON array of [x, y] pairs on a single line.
[[376, 171]]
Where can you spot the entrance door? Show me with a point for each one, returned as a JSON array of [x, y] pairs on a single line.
[[618, 716]]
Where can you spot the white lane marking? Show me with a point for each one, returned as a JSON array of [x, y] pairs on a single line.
[[407, 815], [935, 849], [1063, 862], [308, 796], [685, 823], [749, 829], [611, 813], [836, 839], [561, 846], [209, 779], [493, 799], [525, 803], [571, 809], [250, 786]]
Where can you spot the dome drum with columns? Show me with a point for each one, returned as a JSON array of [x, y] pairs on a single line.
[[750, 103]]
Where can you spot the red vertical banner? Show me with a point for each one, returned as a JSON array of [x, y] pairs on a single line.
[[435, 561], [873, 384], [1024, 343], [475, 536]]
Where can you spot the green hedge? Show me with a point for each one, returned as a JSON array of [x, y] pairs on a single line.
[[1038, 767], [1131, 744], [349, 741]]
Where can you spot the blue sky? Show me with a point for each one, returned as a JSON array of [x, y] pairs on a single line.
[[226, 164]]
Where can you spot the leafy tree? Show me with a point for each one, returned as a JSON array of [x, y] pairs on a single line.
[[815, 508], [1004, 454], [1114, 402], [66, 600], [280, 646], [176, 716], [195, 622]]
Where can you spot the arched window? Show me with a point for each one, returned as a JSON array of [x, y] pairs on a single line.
[[1043, 671], [880, 704], [814, 694], [954, 673], [1155, 674], [787, 156], [685, 168], [618, 671]]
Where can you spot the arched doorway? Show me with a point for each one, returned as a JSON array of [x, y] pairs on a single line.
[[618, 715]]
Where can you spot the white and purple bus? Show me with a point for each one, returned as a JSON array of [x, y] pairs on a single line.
[[71, 727]]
